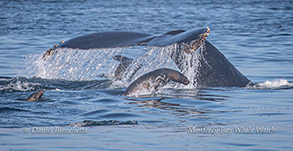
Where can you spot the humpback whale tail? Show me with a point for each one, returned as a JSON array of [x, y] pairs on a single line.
[[212, 68], [189, 40]]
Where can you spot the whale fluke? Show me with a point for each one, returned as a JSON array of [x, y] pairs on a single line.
[[191, 39], [213, 68]]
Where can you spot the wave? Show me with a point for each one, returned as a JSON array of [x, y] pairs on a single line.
[[17, 84], [102, 123], [10, 109], [24, 84]]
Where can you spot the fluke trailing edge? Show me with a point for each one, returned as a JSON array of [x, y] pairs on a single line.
[[191, 40]]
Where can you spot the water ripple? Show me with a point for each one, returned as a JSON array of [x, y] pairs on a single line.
[[103, 123]]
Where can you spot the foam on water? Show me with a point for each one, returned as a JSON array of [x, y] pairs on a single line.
[[16, 84], [274, 84]]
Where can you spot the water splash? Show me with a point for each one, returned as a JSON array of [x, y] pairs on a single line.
[[160, 57], [18, 84], [154, 58], [275, 84], [80, 65], [71, 64], [190, 64]]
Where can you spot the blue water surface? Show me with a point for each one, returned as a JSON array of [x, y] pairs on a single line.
[[81, 111]]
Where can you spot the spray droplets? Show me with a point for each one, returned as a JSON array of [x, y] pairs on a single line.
[[77, 64]]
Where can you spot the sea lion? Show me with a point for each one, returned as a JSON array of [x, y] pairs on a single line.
[[122, 67], [124, 63], [155, 79], [35, 96]]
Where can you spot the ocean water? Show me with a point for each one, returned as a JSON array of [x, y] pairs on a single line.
[[82, 110]]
